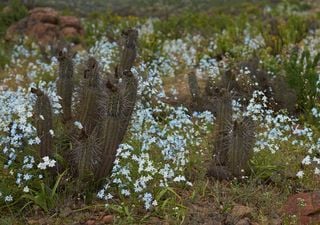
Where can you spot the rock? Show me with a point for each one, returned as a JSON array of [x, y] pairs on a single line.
[[70, 21], [45, 15], [46, 26], [244, 221], [44, 32], [241, 211], [306, 206], [107, 219], [69, 32], [91, 222]]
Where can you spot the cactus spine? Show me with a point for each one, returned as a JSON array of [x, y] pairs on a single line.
[[65, 83], [43, 118]]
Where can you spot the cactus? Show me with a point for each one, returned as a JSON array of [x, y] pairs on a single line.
[[112, 130], [86, 154], [65, 82], [90, 92], [87, 146], [43, 118], [194, 87], [119, 104], [223, 119], [129, 51], [240, 147]]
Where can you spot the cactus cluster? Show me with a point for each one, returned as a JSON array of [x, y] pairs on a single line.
[[233, 140], [103, 106]]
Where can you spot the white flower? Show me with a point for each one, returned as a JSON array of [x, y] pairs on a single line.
[[51, 132], [125, 192], [78, 125], [307, 160], [52, 163], [26, 189], [46, 159], [300, 174], [154, 203], [108, 196], [8, 198], [179, 178], [27, 177], [101, 194], [42, 166]]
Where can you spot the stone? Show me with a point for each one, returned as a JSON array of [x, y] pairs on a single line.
[[107, 219], [241, 211], [44, 32], [244, 221], [70, 21], [46, 26], [90, 222], [45, 15], [69, 32], [306, 206]]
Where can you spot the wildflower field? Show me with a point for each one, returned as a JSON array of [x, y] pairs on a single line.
[[172, 112]]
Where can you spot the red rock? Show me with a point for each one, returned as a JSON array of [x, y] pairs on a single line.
[[44, 32], [70, 21], [306, 206], [91, 222], [45, 17], [42, 10], [46, 26], [69, 32], [16, 29], [44, 14], [107, 219]]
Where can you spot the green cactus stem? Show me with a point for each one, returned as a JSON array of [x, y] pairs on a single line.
[[119, 104], [194, 87], [43, 121], [90, 93], [223, 119], [129, 51], [65, 82], [240, 147]]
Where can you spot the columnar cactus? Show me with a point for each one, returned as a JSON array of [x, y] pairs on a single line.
[[129, 51], [119, 104], [112, 129], [223, 120], [240, 147], [43, 120], [87, 146], [90, 92], [194, 87], [234, 142], [65, 82]]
